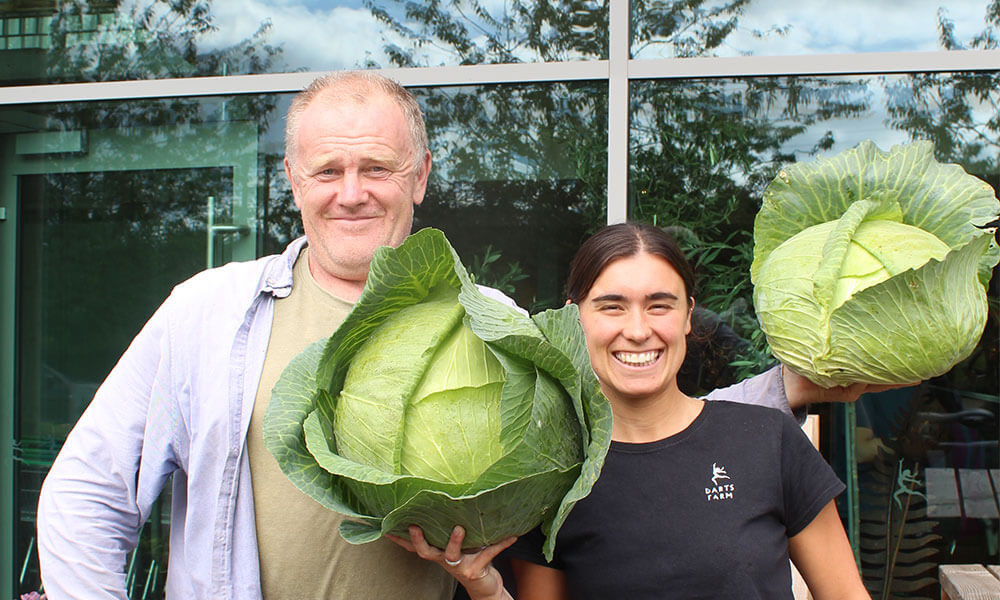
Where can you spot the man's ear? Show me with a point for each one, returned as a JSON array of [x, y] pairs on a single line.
[[292, 182], [425, 171]]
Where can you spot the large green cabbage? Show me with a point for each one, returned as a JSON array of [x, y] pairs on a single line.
[[869, 267], [435, 405]]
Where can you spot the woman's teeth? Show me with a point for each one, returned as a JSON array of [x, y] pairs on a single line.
[[638, 359]]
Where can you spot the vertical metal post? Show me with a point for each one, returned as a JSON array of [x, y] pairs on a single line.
[[850, 420], [618, 57], [8, 291], [210, 232]]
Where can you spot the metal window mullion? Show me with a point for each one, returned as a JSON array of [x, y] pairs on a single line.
[[870, 63], [276, 83], [618, 79]]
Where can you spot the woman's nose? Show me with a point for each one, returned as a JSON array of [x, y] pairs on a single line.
[[636, 328]]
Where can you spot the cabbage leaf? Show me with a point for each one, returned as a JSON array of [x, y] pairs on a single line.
[[868, 266], [436, 405]]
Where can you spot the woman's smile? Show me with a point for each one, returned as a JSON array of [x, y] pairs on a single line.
[[638, 359]]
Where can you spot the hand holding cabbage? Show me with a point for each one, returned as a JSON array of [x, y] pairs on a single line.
[[435, 405], [869, 266]]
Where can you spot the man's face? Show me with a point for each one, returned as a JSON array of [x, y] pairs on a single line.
[[355, 180]]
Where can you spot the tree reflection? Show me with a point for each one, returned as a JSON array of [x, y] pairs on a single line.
[[146, 39]]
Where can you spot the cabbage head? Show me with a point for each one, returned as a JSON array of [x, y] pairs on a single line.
[[435, 405], [868, 266]]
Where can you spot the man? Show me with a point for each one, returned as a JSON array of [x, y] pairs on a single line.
[[188, 396]]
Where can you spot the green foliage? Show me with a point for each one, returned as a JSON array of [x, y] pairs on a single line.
[[483, 273]]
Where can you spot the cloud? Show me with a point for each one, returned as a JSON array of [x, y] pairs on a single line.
[[312, 37], [845, 26]]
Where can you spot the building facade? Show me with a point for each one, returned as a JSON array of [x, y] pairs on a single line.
[[141, 142]]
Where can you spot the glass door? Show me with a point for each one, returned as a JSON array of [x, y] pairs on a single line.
[[103, 224]]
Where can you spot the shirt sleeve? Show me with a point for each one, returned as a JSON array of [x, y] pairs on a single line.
[[110, 470], [766, 389], [808, 482]]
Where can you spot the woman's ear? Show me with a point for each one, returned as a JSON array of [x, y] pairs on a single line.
[[568, 302]]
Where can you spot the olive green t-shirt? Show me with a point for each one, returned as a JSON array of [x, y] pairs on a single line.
[[302, 556]]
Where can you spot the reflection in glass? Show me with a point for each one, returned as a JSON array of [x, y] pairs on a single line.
[[671, 29], [116, 203], [921, 463], [520, 169], [119, 201], [98, 252], [107, 40]]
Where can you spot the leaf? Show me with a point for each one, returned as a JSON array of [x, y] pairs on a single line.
[[373, 444], [868, 266]]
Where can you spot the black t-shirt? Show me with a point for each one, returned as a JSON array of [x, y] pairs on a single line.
[[705, 513]]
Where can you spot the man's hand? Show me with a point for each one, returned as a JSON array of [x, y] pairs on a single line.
[[801, 392], [473, 570]]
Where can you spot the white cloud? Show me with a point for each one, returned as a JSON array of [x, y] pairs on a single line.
[[849, 26], [313, 38]]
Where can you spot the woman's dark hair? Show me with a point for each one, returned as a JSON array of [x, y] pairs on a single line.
[[620, 241]]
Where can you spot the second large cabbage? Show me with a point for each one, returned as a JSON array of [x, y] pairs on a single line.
[[869, 267]]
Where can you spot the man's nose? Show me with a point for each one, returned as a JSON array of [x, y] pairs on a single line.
[[352, 189]]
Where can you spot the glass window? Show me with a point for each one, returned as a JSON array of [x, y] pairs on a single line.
[[105, 41], [921, 463], [670, 29]]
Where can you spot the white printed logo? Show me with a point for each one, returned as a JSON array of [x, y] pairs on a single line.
[[719, 491]]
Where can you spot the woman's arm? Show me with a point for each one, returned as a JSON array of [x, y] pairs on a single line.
[[823, 555], [537, 582]]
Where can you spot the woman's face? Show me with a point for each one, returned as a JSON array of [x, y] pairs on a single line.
[[635, 319]]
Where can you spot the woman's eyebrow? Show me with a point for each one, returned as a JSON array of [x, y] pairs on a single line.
[[621, 298], [661, 296]]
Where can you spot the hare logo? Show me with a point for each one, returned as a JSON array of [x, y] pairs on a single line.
[[719, 491]]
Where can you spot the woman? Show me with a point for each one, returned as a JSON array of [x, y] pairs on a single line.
[[696, 499]]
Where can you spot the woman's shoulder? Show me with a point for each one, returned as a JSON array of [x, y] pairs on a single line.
[[730, 409], [736, 416]]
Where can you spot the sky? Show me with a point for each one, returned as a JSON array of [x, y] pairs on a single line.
[[319, 35]]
